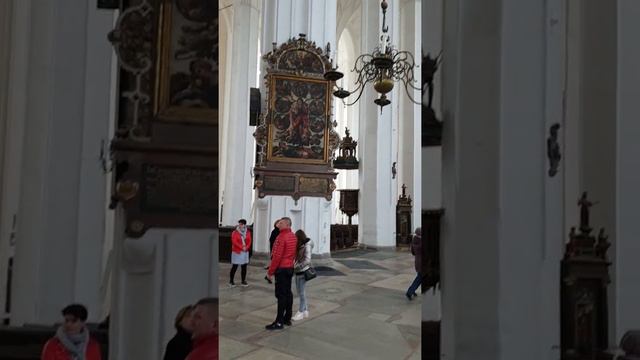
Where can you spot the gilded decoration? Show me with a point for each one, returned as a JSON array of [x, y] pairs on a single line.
[[132, 40]]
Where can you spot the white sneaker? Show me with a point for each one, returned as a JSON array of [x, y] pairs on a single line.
[[306, 314], [298, 316]]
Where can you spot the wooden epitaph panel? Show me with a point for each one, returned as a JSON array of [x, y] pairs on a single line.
[[178, 190], [296, 139], [165, 149]]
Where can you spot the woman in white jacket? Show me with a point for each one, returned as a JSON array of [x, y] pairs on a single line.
[[301, 264]]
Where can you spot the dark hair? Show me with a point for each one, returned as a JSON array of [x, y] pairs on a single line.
[[302, 237], [181, 315], [288, 220], [76, 310], [242, 221], [208, 301]]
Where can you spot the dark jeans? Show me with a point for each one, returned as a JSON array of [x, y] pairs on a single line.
[[284, 294], [414, 285], [243, 272]]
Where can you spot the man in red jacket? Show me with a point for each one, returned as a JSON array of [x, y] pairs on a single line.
[[205, 330], [284, 254]]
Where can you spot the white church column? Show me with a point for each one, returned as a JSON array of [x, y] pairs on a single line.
[[349, 20], [238, 148], [59, 233], [377, 188], [432, 18], [410, 114], [283, 20], [627, 247], [95, 138], [5, 50], [495, 232]]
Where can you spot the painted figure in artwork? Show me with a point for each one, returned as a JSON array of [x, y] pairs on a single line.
[[299, 132]]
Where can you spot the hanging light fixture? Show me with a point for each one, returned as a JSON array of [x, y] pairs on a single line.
[[383, 67]]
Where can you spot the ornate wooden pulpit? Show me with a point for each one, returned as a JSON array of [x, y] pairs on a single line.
[[403, 219], [345, 236], [585, 276], [349, 202], [347, 159]]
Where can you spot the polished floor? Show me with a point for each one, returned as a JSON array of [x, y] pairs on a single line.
[[357, 311]]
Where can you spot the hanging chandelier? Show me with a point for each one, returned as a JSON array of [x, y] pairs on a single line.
[[383, 67]]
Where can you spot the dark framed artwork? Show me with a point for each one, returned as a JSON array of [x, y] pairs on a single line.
[[187, 88], [298, 131]]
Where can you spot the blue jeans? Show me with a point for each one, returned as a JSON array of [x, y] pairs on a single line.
[[414, 285], [300, 282]]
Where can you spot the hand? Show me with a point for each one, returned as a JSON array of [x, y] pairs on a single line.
[[268, 277]]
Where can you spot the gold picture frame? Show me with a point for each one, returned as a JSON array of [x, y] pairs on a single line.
[[301, 138], [187, 62]]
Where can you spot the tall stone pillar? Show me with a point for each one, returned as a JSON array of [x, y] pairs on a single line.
[[6, 13], [283, 20], [431, 171], [60, 231], [495, 236], [237, 143], [409, 114], [627, 174], [378, 190]]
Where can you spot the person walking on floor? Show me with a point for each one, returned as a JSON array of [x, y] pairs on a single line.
[[302, 264], [284, 254], [240, 245], [416, 250]]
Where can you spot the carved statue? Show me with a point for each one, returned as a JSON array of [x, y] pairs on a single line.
[[553, 150], [584, 212], [602, 245]]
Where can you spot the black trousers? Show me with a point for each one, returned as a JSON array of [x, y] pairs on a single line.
[[284, 294], [243, 272]]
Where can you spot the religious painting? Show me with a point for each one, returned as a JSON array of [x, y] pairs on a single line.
[[296, 138], [188, 61], [299, 111]]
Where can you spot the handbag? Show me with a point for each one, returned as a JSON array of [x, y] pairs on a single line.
[[310, 273]]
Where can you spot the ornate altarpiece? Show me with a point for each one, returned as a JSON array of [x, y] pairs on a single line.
[[296, 138], [585, 278], [164, 153]]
